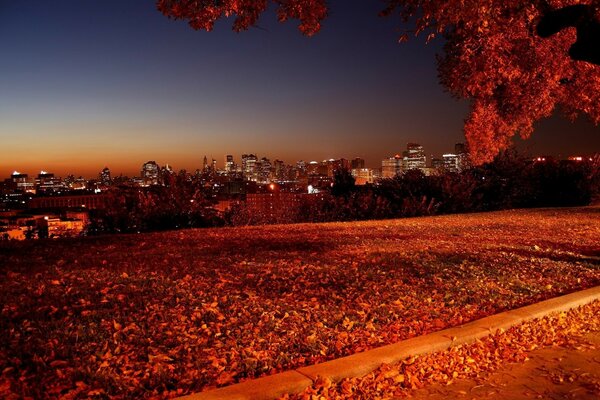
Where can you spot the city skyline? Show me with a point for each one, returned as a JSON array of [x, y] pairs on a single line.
[[94, 84]]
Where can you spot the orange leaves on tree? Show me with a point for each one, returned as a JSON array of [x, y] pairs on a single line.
[[204, 14]]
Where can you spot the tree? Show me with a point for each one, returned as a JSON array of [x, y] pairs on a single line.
[[343, 183], [580, 17], [493, 56], [202, 14]]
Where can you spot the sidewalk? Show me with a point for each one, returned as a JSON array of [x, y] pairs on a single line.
[[571, 372]]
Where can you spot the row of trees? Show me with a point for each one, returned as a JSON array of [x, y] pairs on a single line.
[[181, 203]]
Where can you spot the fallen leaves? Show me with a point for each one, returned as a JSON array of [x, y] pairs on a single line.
[[471, 360], [218, 306]]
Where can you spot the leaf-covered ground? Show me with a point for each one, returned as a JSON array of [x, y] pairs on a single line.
[[166, 314], [477, 361]]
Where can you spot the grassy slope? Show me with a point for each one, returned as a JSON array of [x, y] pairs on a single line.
[[169, 313]]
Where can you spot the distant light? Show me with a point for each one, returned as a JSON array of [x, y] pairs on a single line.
[[42, 172], [16, 173], [272, 186]]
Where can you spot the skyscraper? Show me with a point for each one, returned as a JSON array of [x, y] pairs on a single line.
[[264, 172], [357, 163], [249, 166], [278, 172], [390, 167], [105, 177], [229, 164], [414, 157], [150, 172], [451, 162]]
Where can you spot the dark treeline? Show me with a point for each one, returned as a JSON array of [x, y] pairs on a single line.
[[180, 203], [510, 181]]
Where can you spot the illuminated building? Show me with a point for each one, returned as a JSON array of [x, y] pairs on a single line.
[[263, 170], [105, 177], [312, 168], [451, 162], [150, 173], [46, 182], [414, 157], [91, 201], [363, 176], [22, 182], [463, 157], [300, 168], [437, 163], [64, 227], [335, 165], [249, 167], [229, 164], [391, 167], [272, 205], [166, 175], [279, 172]]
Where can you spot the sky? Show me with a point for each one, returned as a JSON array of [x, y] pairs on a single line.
[[86, 84]]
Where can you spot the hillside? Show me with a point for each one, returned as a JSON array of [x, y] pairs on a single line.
[[177, 312]]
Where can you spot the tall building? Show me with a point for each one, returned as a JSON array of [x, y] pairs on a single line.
[[390, 167], [166, 175], [414, 157], [249, 167], [312, 168], [437, 163], [335, 165], [264, 170], [278, 172], [229, 164], [46, 182], [150, 173], [463, 157], [357, 163], [22, 182], [451, 162], [205, 164], [105, 177]]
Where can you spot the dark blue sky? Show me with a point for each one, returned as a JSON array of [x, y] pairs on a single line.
[[89, 83]]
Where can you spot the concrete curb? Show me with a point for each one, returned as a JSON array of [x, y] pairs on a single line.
[[360, 364]]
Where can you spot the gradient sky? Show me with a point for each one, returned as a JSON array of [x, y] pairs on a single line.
[[89, 83]]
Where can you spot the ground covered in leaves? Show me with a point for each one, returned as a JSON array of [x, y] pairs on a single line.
[[171, 313], [477, 361]]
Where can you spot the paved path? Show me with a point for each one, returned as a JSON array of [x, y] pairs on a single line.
[[551, 373]]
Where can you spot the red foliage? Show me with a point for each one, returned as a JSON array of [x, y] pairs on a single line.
[[203, 14], [493, 57]]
